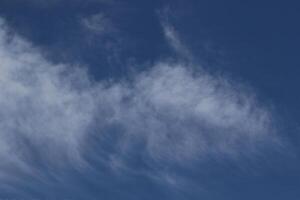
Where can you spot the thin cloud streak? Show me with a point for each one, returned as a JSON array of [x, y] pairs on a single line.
[[173, 40], [172, 36]]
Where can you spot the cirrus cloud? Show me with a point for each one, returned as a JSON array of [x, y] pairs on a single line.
[[171, 114]]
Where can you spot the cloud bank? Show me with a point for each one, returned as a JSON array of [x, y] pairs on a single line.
[[172, 114]]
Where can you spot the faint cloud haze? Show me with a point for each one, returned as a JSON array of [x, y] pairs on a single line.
[[98, 23]]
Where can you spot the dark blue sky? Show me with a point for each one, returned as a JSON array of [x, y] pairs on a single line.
[[254, 44]]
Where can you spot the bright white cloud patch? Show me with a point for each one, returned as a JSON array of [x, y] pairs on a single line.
[[49, 111]]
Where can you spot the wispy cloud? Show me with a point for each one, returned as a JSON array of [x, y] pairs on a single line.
[[173, 40], [168, 115], [172, 36]]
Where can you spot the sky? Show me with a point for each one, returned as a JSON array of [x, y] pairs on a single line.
[[161, 99]]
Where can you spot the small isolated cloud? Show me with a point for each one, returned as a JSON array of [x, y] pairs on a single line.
[[98, 23], [170, 114]]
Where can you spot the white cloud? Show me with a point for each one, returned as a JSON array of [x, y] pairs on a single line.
[[182, 115], [175, 113]]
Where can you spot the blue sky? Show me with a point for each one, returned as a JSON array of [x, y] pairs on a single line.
[[182, 99]]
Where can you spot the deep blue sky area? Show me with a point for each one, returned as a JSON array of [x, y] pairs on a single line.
[[255, 43]]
